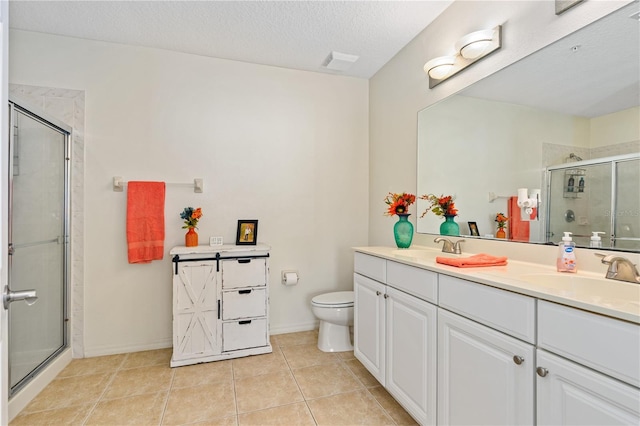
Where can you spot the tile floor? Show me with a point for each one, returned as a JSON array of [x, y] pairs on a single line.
[[297, 384]]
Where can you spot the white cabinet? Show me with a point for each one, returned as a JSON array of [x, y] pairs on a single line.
[[411, 354], [492, 356], [484, 376], [369, 320], [195, 311], [395, 336], [568, 393], [220, 303]]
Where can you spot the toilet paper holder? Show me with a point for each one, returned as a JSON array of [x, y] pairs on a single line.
[[290, 277]]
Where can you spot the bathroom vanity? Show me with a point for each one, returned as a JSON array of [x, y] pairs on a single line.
[[220, 303], [518, 344]]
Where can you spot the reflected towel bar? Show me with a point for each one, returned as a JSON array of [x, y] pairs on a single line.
[[198, 184]]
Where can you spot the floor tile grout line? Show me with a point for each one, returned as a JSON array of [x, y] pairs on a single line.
[[104, 391], [166, 399]]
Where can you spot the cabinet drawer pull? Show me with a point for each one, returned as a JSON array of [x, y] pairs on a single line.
[[244, 260], [244, 322], [378, 293], [244, 291], [518, 359], [542, 372]]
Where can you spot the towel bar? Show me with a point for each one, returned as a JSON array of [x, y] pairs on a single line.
[[198, 184]]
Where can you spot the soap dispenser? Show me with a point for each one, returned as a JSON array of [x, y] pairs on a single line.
[[596, 241], [566, 261]]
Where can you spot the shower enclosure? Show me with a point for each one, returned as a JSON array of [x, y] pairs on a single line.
[[599, 195], [38, 240]]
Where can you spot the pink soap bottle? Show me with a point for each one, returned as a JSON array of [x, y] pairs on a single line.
[[566, 261]]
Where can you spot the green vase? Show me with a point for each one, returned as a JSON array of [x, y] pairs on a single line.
[[449, 226], [403, 231]]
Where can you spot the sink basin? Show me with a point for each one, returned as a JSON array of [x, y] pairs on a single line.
[[587, 288], [422, 253]]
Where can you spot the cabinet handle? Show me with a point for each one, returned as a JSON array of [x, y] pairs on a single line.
[[378, 293], [244, 260], [244, 291], [542, 372], [386, 296], [244, 322], [518, 359]]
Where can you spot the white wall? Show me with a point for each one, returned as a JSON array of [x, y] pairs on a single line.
[[400, 89], [288, 148]]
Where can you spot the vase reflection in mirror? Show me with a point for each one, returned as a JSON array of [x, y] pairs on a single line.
[[449, 226]]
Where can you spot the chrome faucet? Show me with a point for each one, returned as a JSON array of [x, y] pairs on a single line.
[[448, 246], [620, 268]]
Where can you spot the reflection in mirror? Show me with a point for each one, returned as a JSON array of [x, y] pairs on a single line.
[[575, 100]]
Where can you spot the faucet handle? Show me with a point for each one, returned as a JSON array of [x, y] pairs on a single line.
[[456, 247]]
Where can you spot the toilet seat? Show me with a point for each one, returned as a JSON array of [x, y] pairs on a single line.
[[338, 299]]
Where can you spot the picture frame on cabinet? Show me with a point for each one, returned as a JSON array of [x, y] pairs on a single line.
[[473, 228], [247, 232]]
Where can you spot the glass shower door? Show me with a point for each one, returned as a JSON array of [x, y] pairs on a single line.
[[38, 231]]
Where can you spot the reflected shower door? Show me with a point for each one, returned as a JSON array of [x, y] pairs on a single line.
[[627, 220], [38, 228]]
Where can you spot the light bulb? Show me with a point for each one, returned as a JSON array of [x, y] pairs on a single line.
[[439, 67], [473, 45]]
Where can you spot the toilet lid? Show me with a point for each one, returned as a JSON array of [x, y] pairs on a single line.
[[338, 298]]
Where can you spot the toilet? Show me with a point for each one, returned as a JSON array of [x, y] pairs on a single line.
[[335, 312]]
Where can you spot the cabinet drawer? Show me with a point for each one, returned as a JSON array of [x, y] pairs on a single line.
[[244, 334], [415, 281], [244, 303], [244, 273], [508, 312], [602, 343], [370, 266]]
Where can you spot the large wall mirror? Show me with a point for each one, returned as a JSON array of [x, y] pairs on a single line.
[[574, 103]]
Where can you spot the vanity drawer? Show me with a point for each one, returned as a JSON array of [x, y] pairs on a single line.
[[605, 344], [418, 282], [249, 272], [370, 266], [511, 313], [245, 303], [244, 334]]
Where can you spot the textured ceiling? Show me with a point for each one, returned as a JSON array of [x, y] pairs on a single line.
[[289, 34]]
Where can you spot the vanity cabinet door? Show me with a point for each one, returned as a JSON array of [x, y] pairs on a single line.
[[570, 394], [369, 325], [484, 376], [195, 311], [411, 374]]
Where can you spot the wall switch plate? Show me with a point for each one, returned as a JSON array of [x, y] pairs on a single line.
[[215, 241]]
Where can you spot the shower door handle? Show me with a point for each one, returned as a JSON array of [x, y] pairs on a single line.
[[8, 296]]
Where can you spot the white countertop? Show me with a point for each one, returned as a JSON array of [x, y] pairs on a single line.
[[234, 250], [590, 292]]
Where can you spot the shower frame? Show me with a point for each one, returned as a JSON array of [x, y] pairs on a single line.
[[16, 104], [613, 161]]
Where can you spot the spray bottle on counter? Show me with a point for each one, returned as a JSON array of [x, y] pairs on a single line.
[[596, 241], [566, 255]]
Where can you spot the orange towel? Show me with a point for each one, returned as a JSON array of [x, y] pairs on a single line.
[[145, 221], [473, 261], [518, 228]]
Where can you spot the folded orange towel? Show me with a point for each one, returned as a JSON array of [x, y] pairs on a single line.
[[145, 221], [481, 259]]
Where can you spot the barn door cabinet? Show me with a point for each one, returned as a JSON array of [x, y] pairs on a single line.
[[220, 303]]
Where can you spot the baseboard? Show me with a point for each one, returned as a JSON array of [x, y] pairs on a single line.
[[38, 383], [114, 350], [293, 328]]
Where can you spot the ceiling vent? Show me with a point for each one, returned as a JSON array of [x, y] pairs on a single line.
[[339, 61]]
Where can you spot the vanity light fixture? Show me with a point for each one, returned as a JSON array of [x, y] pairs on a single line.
[[469, 49]]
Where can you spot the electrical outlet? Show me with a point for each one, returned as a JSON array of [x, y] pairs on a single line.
[[215, 241]]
